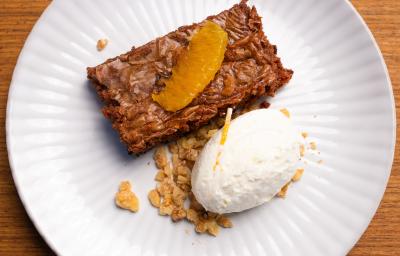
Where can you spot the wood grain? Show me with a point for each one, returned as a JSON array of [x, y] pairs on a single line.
[[19, 237]]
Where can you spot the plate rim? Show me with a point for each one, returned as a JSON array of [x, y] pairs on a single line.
[[17, 69]]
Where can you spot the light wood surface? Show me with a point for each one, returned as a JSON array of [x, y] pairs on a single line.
[[19, 237]]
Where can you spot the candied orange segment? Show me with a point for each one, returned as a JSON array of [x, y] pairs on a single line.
[[195, 68]]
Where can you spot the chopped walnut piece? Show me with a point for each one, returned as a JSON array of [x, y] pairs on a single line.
[[125, 198], [188, 143], [201, 227], [302, 150], [164, 188], [154, 198], [176, 161], [212, 227], [285, 112], [183, 171], [224, 221], [160, 175], [298, 174], [178, 214], [211, 133], [167, 200], [182, 179], [160, 157], [200, 143], [192, 215], [173, 147], [304, 134], [313, 145], [168, 171], [191, 154], [165, 210], [178, 196], [101, 44], [283, 191]]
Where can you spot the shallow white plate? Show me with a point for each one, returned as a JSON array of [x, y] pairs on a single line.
[[67, 162]]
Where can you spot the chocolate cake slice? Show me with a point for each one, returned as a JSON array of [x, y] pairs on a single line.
[[125, 83]]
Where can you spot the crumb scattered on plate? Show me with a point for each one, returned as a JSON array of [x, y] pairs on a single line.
[[298, 174], [285, 112], [284, 190], [125, 198], [313, 145], [302, 150], [101, 44]]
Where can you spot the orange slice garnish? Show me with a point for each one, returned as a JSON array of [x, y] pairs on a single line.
[[195, 68]]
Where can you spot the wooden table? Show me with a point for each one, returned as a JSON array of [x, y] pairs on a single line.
[[19, 237]]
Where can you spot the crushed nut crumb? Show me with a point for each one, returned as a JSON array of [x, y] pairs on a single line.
[[178, 214], [304, 134], [101, 44], [165, 210], [160, 175], [298, 174], [192, 215], [212, 227], [283, 191], [285, 112], [224, 222], [154, 198], [201, 227], [125, 198], [302, 150], [313, 145], [160, 157]]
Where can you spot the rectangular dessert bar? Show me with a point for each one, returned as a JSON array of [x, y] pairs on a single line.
[[125, 83]]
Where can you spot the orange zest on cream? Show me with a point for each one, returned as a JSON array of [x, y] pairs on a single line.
[[224, 136]]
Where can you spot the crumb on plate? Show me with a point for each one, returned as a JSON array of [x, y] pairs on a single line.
[[285, 112], [101, 44], [302, 150], [298, 174], [125, 198], [283, 191], [313, 145]]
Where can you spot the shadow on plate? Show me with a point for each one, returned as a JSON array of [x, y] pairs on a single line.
[[108, 134]]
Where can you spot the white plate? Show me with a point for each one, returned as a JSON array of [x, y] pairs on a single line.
[[67, 161]]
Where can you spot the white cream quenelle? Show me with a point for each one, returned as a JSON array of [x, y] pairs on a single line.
[[258, 158]]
